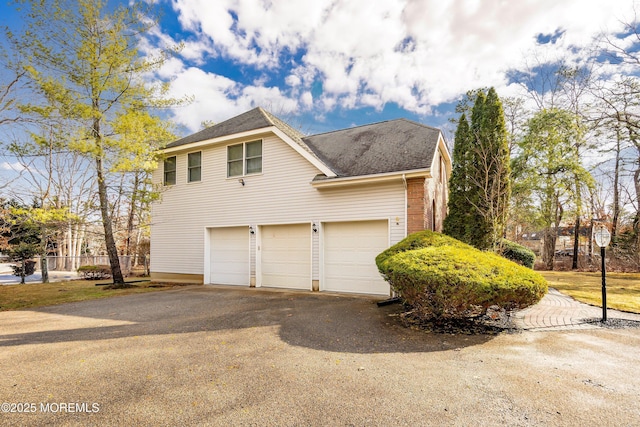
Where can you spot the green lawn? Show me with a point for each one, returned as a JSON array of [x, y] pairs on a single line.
[[14, 297], [623, 289]]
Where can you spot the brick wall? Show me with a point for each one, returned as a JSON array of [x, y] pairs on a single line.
[[416, 212]]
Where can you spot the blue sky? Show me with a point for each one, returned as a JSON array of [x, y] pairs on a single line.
[[329, 64]]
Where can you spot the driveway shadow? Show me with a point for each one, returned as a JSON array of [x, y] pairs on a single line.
[[337, 323]]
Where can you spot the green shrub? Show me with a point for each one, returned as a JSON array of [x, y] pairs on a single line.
[[94, 272], [440, 277], [517, 253], [422, 239]]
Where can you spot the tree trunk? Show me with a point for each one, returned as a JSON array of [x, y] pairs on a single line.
[[44, 266], [551, 235], [110, 243], [576, 243], [68, 261], [549, 247], [636, 221], [616, 190], [81, 229], [22, 273], [132, 213]]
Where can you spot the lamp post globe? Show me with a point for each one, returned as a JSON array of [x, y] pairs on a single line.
[[603, 238]]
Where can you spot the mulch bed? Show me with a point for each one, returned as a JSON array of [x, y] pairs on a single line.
[[481, 325]]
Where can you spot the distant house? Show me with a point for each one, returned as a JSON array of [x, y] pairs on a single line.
[[253, 202]]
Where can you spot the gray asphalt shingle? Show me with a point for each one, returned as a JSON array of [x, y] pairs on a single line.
[[391, 146]]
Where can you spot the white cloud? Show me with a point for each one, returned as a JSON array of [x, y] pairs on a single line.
[[13, 166], [293, 80], [218, 98], [416, 53], [306, 99], [212, 97]]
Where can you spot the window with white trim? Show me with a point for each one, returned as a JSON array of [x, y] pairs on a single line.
[[170, 170], [194, 166], [244, 159]]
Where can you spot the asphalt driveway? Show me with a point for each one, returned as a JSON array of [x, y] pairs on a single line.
[[229, 356]]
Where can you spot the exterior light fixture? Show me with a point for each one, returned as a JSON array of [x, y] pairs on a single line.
[[314, 227], [252, 230], [603, 237], [241, 181]]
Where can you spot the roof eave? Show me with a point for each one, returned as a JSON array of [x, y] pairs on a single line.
[[219, 140], [254, 134], [442, 147], [372, 179]]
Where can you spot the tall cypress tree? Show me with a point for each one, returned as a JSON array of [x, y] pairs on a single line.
[[454, 223], [476, 229], [480, 182], [498, 167]]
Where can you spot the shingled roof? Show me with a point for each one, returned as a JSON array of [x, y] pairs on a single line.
[[391, 146], [251, 120]]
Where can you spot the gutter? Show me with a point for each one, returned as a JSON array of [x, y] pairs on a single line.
[[375, 178]]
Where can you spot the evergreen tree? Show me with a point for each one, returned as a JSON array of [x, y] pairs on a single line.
[[455, 222], [480, 183], [21, 239], [550, 165]]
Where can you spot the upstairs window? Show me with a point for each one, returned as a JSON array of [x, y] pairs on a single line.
[[234, 160], [244, 159], [170, 170], [194, 167]]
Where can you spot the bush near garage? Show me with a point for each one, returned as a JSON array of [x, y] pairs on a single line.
[[94, 272], [517, 253], [439, 277]]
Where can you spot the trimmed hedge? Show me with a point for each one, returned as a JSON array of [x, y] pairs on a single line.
[[95, 272], [441, 277], [517, 253]]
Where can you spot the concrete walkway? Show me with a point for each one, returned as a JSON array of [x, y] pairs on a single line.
[[557, 311]]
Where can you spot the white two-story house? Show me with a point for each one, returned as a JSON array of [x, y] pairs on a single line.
[[252, 202]]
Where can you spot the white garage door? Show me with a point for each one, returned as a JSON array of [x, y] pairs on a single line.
[[286, 256], [350, 250], [230, 262]]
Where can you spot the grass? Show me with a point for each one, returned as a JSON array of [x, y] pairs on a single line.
[[623, 289], [30, 295]]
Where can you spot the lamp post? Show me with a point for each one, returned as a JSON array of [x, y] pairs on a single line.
[[603, 237]]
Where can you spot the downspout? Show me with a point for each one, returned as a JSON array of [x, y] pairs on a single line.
[[406, 199]]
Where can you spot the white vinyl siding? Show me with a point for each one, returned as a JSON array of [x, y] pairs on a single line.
[[281, 194]]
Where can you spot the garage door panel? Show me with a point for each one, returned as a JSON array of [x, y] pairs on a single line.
[[230, 256], [286, 256], [350, 249]]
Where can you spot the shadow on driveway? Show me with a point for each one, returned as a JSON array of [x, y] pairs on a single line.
[[338, 323]]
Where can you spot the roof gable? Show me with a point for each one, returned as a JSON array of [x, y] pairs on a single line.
[[391, 146], [251, 120]]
